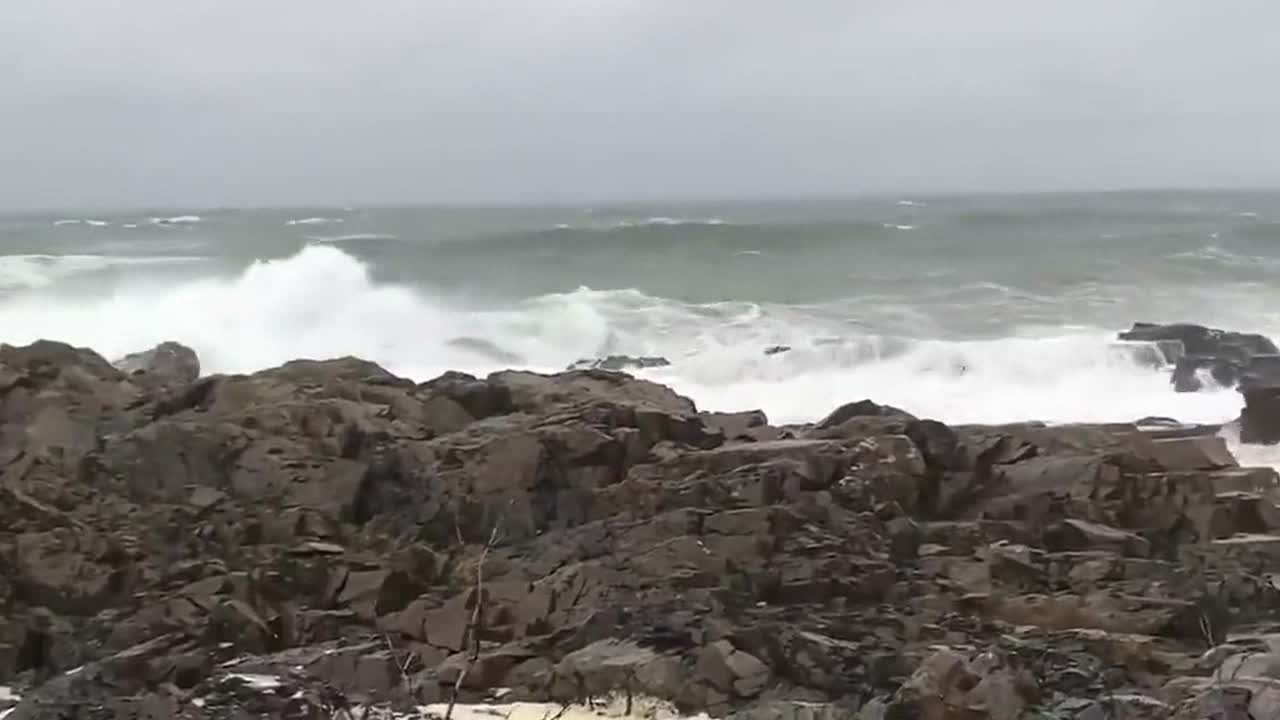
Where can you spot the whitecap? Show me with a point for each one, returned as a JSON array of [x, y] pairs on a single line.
[[315, 221], [23, 272], [663, 221], [177, 220], [326, 303]]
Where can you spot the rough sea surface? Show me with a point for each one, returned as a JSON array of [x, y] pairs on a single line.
[[979, 309]]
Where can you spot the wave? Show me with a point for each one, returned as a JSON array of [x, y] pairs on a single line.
[[323, 302], [315, 221], [26, 272], [177, 220], [661, 221], [351, 237], [90, 223]]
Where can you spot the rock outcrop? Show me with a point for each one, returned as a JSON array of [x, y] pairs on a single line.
[[324, 536]]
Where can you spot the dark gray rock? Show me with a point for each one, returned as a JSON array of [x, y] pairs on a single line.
[[619, 363], [167, 365]]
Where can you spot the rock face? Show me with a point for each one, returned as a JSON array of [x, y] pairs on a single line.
[[1248, 362], [1226, 355], [324, 536]]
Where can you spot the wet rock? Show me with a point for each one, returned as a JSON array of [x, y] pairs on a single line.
[[777, 349], [1223, 355], [1260, 418], [620, 363], [1201, 340]]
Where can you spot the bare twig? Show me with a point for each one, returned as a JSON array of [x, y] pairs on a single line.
[[476, 625], [564, 708], [403, 667]]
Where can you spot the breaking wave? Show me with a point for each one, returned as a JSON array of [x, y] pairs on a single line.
[[323, 302], [27, 272], [177, 220], [315, 221]]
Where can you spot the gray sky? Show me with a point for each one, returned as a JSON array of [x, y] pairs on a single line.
[[229, 102]]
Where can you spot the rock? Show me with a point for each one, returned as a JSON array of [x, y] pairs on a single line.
[[1188, 453], [743, 426], [1073, 534], [1260, 418], [1201, 340], [620, 363], [1130, 706], [167, 365], [950, 686], [324, 535], [608, 664], [1224, 355], [732, 671], [777, 349]]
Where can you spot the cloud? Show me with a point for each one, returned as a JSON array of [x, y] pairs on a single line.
[[227, 102]]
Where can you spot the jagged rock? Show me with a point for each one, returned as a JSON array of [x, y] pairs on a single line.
[[166, 365], [284, 542], [1224, 355]]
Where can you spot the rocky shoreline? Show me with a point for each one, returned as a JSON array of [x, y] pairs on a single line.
[[324, 540]]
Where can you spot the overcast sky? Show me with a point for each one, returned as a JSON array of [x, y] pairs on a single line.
[[232, 102]]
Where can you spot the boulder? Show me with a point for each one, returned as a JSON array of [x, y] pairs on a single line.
[[167, 365]]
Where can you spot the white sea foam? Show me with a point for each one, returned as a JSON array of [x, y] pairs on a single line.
[[177, 220], [322, 303], [662, 221], [315, 221], [25, 272]]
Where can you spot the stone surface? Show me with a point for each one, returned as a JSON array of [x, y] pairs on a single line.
[[324, 535]]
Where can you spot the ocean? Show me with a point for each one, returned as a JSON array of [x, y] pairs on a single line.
[[964, 309]]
